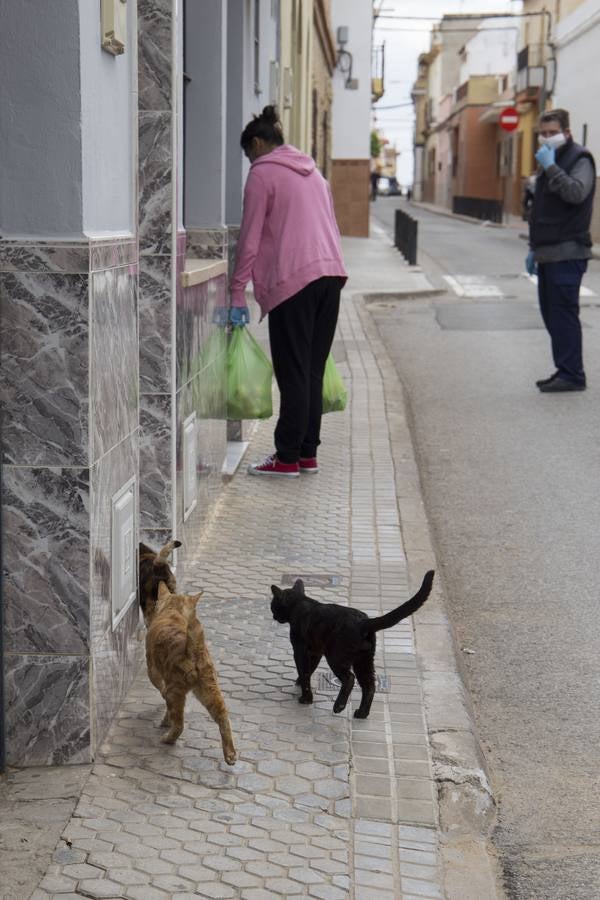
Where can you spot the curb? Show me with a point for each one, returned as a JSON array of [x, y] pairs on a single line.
[[466, 805], [439, 211], [471, 220]]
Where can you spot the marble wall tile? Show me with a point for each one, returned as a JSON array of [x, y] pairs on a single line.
[[191, 312], [39, 256], [206, 243], [107, 476], [47, 709], [113, 254], [155, 183], [157, 537], [114, 359], [155, 22], [155, 324], [46, 559], [155, 461], [233, 233], [45, 369], [211, 446], [115, 660]]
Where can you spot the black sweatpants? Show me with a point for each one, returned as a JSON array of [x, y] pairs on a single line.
[[301, 331]]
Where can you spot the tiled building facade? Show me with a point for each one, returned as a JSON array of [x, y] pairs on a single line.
[[122, 186]]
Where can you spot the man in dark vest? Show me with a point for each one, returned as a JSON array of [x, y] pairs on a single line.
[[560, 242]]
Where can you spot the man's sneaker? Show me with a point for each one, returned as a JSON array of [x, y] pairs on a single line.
[[272, 466], [309, 465], [558, 384], [544, 381]]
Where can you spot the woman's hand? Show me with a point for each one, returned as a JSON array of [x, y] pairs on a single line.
[[239, 315]]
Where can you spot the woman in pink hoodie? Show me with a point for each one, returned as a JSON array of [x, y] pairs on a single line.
[[289, 246]]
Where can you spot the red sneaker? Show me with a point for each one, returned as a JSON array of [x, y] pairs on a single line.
[[272, 466], [309, 465]]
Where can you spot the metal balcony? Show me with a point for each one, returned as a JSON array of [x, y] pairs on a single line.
[[377, 72], [531, 56]]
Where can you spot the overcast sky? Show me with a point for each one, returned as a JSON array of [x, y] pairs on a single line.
[[404, 40]]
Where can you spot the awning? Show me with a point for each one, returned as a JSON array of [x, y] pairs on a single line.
[[492, 112]]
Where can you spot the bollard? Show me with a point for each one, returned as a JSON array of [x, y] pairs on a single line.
[[405, 236]]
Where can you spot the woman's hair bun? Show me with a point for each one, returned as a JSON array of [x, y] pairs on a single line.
[[269, 114]]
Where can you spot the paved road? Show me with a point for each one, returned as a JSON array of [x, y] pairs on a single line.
[[511, 480]]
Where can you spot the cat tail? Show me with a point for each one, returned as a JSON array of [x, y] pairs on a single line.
[[162, 555], [370, 626]]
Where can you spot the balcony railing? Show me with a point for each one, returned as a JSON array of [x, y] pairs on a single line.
[[462, 91], [531, 56], [377, 72], [532, 77]]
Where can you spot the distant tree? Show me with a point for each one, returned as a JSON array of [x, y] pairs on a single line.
[[375, 144]]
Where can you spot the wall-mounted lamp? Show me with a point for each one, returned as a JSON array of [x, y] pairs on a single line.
[[344, 59]]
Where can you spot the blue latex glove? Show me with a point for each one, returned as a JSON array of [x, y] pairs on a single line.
[[239, 315], [221, 316], [546, 156], [530, 263]]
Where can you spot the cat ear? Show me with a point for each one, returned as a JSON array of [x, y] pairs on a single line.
[[163, 591], [299, 586], [196, 597], [277, 592]]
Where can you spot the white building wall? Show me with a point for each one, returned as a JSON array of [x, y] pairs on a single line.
[[577, 89], [492, 51], [40, 120], [108, 125], [351, 113]]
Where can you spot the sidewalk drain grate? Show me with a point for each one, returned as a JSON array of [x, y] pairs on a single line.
[[314, 580]]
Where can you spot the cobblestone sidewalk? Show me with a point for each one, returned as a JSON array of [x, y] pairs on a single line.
[[318, 805]]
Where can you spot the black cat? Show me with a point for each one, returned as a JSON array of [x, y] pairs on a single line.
[[345, 637]]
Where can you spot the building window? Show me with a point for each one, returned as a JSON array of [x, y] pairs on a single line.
[[257, 89]]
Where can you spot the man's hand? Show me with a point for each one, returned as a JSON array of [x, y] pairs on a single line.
[[530, 263], [239, 315], [546, 156]]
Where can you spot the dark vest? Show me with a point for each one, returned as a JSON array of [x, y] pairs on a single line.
[[552, 221]]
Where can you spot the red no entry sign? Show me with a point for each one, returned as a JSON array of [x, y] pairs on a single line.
[[509, 118]]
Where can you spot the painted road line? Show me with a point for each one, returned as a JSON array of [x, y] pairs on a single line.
[[583, 290], [473, 286]]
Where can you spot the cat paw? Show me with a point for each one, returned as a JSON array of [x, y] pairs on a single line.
[[360, 714], [339, 707], [230, 757], [305, 698], [168, 739]]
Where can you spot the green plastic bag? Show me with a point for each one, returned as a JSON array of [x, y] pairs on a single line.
[[209, 388], [334, 391], [249, 376]]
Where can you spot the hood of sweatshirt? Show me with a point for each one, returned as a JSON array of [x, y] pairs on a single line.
[[288, 156]]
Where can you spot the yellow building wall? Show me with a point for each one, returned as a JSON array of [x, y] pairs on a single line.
[[527, 123], [295, 72]]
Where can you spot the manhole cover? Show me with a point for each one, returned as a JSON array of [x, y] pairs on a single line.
[[314, 580]]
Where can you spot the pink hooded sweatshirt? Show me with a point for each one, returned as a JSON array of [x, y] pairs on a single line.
[[289, 235]]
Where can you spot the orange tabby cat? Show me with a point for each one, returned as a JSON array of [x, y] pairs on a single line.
[[179, 662]]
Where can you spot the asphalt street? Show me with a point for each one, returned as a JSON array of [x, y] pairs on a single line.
[[511, 484]]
